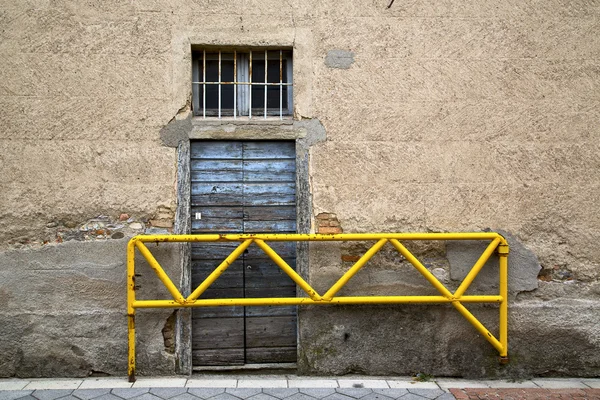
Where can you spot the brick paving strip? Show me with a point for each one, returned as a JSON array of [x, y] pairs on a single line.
[[525, 394]]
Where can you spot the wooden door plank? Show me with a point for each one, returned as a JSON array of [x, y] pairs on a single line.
[[217, 219], [266, 275], [269, 170], [219, 150], [218, 333], [271, 331], [221, 312], [219, 194], [286, 250], [213, 250], [216, 357], [269, 150], [263, 194], [269, 226], [271, 213], [269, 311], [233, 277], [217, 171], [261, 355]]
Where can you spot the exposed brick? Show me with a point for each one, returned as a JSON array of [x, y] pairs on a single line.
[[161, 223], [329, 229], [325, 216], [328, 223]]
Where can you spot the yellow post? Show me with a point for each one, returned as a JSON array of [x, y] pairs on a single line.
[[503, 251], [354, 269], [131, 310]]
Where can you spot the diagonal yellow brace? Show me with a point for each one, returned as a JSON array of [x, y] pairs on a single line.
[[312, 293], [219, 270], [354, 269], [421, 268], [479, 326], [476, 268], [164, 278]]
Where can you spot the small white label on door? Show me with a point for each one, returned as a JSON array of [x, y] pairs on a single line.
[[198, 215]]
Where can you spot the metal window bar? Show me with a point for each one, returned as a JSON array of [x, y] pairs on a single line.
[[219, 86], [237, 84], [250, 88], [204, 86], [280, 82], [266, 80], [234, 84]]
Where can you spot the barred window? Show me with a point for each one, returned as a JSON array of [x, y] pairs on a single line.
[[242, 83]]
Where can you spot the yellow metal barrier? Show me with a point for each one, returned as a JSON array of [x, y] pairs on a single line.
[[497, 243]]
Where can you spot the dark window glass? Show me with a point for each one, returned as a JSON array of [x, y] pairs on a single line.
[[258, 91]]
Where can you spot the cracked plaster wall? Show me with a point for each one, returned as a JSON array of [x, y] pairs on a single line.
[[446, 116]]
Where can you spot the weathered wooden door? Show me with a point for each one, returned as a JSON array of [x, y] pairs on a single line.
[[243, 187]]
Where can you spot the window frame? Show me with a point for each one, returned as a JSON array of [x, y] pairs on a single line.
[[243, 60]]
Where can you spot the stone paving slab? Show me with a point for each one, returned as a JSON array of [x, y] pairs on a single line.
[[14, 394], [409, 384], [160, 382], [211, 383], [392, 393], [280, 393], [364, 383], [206, 393], [13, 384], [261, 383], [312, 383], [88, 394], [355, 392], [105, 383], [107, 396], [129, 393], [167, 392], [592, 383], [50, 394], [56, 384], [558, 384]]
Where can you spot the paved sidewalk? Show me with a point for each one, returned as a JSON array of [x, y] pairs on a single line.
[[291, 387]]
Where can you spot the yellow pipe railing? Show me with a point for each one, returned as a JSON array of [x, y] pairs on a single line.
[[497, 243]]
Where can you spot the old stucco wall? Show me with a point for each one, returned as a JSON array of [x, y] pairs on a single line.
[[452, 116], [85, 89], [439, 116]]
